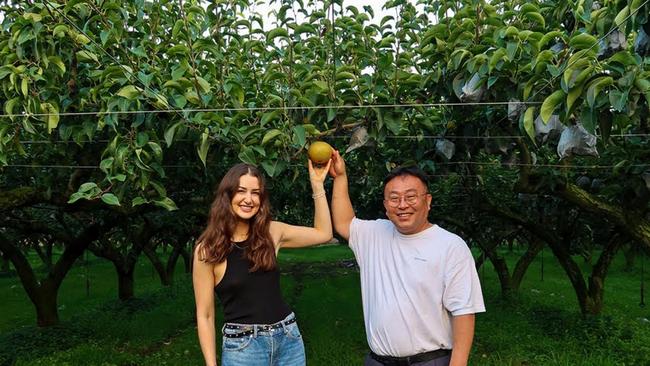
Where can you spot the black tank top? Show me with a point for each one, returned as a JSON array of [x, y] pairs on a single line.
[[250, 297]]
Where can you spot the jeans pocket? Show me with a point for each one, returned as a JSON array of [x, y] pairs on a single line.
[[236, 344], [293, 331]]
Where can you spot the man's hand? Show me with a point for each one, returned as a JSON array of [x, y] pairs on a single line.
[[337, 168]]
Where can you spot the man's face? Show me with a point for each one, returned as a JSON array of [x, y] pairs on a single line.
[[407, 204]]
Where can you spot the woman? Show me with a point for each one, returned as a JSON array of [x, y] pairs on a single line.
[[236, 258]]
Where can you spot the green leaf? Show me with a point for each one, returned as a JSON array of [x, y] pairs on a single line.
[[573, 95], [80, 38], [393, 121], [169, 134], [322, 85], [60, 30], [86, 56], [6, 70], [270, 135], [491, 81], [269, 116], [536, 17], [77, 196], [331, 114], [203, 84], [204, 146], [155, 149], [581, 77], [103, 36], [129, 92], [87, 187], [178, 27], [141, 139], [584, 41], [550, 103], [178, 72], [529, 122], [621, 16], [497, 56], [52, 117], [595, 87], [344, 76], [643, 85], [56, 61], [386, 42], [33, 17], [247, 155], [618, 99], [553, 70], [273, 168], [277, 32], [106, 164], [511, 49], [192, 97], [139, 201], [588, 120], [236, 93], [549, 37], [110, 199], [511, 31], [178, 49], [166, 203], [24, 86], [528, 7], [624, 58], [299, 136]]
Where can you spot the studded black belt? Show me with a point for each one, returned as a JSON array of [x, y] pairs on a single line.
[[249, 329]]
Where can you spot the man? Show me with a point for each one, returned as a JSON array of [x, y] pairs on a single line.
[[419, 285]]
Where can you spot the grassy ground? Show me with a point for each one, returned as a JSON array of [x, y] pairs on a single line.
[[541, 326]]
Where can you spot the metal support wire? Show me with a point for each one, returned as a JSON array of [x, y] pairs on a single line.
[[255, 109]]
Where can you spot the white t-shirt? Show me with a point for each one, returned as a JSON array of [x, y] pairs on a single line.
[[411, 285]]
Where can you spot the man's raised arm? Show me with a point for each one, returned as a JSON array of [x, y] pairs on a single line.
[[342, 211]]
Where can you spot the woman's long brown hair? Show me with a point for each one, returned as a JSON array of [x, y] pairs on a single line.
[[216, 240]]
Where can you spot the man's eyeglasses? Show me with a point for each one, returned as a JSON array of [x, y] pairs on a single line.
[[410, 199]]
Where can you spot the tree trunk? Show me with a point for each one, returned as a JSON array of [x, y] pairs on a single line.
[[43, 294], [598, 274], [574, 273], [631, 223], [505, 280], [5, 266], [47, 311], [173, 259], [163, 274], [525, 261], [45, 254], [125, 281]]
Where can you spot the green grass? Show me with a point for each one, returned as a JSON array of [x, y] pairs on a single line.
[[539, 326]]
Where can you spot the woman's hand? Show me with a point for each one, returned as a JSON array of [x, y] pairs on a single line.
[[317, 174]]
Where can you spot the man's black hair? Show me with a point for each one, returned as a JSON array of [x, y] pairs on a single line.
[[407, 170]]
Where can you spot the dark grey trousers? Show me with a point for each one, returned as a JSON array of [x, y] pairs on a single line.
[[442, 361]]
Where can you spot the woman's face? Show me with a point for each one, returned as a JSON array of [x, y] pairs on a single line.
[[246, 201]]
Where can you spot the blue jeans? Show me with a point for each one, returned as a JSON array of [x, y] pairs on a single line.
[[282, 346]]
